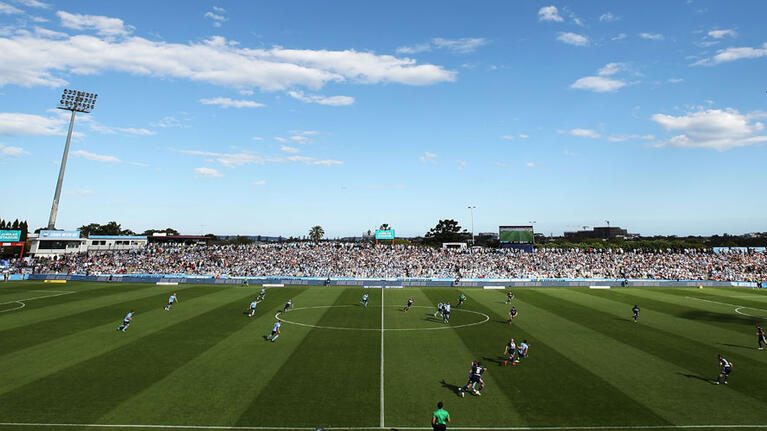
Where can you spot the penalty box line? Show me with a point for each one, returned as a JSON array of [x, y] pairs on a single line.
[[267, 428]]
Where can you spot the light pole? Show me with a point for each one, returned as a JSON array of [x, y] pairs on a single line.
[[471, 209], [532, 223], [608, 228], [75, 101]]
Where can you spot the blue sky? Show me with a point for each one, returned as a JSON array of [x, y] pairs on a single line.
[[270, 117]]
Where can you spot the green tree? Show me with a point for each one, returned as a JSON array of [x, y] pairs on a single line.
[[111, 228], [167, 231], [446, 231], [316, 233]]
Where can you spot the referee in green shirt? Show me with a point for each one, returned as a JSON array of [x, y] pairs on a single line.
[[440, 419]]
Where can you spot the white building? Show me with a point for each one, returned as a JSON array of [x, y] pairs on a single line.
[[49, 243], [115, 242]]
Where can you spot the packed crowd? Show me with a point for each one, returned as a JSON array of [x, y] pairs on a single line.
[[363, 260]]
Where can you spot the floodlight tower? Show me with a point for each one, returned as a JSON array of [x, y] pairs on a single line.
[[471, 209], [75, 101]]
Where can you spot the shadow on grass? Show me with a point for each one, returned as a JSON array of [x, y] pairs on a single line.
[[694, 376], [736, 345], [494, 360], [451, 387], [717, 317]]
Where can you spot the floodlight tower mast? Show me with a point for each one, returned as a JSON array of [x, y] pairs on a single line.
[[75, 101]]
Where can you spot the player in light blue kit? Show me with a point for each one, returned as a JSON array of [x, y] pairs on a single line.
[[446, 313], [262, 295], [275, 332], [252, 308], [126, 322], [365, 300], [172, 300], [439, 309]]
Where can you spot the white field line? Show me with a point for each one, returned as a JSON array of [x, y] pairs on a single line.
[[382, 358], [279, 317], [266, 428], [725, 303], [23, 304]]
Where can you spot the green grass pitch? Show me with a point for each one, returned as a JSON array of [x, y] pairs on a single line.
[[206, 365]]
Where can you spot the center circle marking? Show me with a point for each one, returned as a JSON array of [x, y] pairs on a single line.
[[343, 328]]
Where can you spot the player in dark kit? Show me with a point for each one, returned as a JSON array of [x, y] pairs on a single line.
[[461, 300], [509, 297], [510, 350], [475, 378], [635, 310], [761, 337], [410, 302], [288, 306], [725, 368], [512, 314]]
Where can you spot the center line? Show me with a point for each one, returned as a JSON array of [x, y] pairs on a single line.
[[382, 357]]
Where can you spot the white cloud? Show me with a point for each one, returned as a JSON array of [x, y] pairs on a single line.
[[218, 9], [530, 165], [301, 139], [226, 102], [327, 162], [15, 124], [651, 36], [549, 13], [232, 160], [287, 149], [718, 129], [612, 69], [11, 151], [675, 80], [170, 121], [322, 100], [584, 133], [620, 36], [463, 45], [508, 137], [44, 32], [102, 25], [598, 84], [208, 172], [96, 157], [720, 34], [109, 130], [259, 183], [7, 9], [608, 17], [461, 164], [624, 138], [523, 136], [33, 3], [32, 61], [428, 158], [732, 54], [569, 154], [257, 138], [573, 39], [216, 18]]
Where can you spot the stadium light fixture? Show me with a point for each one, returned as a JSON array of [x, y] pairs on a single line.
[[75, 101], [471, 209]]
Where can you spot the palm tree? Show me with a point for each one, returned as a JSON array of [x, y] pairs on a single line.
[[316, 233]]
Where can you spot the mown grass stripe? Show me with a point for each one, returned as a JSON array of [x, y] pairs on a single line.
[[697, 357], [72, 304], [24, 366], [130, 369], [691, 319], [646, 378], [533, 380], [423, 367], [244, 364], [18, 338], [340, 369]]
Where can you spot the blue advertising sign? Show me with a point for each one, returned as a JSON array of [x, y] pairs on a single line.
[[385, 234], [10, 235], [59, 234]]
